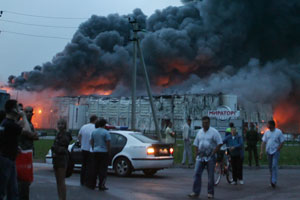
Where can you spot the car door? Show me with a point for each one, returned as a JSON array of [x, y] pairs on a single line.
[[76, 153], [117, 144]]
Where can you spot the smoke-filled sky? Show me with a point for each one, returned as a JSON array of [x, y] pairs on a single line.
[[20, 53], [250, 48]]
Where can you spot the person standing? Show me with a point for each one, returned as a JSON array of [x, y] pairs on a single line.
[[207, 142], [252, 137], [170, 135], [100, 141], [228, 130], [186, 136], [235, 144], [60, 156], [26, 143], [10, 130], [273, 140], [84, 140]]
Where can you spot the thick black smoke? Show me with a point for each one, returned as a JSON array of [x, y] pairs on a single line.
[[226, 46]]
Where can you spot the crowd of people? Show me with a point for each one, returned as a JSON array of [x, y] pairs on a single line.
[[17, 134], [95, 147], [208, 142]]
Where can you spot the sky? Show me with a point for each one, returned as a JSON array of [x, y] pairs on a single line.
[[20, 53]]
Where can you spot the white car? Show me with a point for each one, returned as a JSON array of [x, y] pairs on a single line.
[[130, 151]]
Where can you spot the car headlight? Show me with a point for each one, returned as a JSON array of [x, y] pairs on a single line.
[[150, 151]]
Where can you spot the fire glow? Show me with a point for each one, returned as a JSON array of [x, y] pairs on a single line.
[[100, 86], [286, 116], [41, 103]]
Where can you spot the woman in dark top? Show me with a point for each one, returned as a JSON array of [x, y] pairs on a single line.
[[60, 157]]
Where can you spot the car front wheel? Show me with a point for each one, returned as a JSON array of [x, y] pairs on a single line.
[[149, 172], [122, 167]]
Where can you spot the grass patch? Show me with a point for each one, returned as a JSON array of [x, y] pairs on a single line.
[[289, 155], [41, 148]]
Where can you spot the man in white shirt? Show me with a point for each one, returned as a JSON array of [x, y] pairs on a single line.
[[186, 136], [273, 140], [170, 135], [207, 142], [84, 137]]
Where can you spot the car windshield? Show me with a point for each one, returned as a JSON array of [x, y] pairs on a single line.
[[143, 138]]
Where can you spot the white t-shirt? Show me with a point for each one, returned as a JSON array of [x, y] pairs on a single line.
[[85, 132], [273, 139], [186, 132], [207, 142], [169, 139]]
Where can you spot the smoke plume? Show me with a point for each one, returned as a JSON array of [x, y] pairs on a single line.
[[250, 48]]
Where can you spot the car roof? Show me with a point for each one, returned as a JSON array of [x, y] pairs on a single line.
[[125, 133]]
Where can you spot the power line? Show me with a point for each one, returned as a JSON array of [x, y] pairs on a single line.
[[39, 25], [32, 35], [41, 16]]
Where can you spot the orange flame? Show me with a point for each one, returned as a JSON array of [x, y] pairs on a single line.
[[286, 116], [182, 66], [99, 85], [263, 130]]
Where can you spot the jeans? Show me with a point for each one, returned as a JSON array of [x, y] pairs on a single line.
[[8, 179], [199, 167], [187, 152], [273, 166]]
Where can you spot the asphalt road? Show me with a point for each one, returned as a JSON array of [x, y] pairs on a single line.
[[173, 183]]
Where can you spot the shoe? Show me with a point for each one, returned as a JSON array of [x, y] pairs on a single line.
[[193, 195], [210, 196], [90, 187], [273, 185], [233, 183], [241, 182], [190, 165], [103, 188]]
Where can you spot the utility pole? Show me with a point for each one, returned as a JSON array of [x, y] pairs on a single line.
[[1, 12], [133, 91], [137, 46]]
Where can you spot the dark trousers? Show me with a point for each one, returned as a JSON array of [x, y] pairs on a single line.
[[8, 179], [254, 150], [90, 171], [23, 190], [237, 168], [83, 174], [101, 164]]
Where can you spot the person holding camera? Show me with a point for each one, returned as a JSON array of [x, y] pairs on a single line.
[[10, 131], [26, 143]]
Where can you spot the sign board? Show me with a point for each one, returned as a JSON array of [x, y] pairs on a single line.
[[223, 113]]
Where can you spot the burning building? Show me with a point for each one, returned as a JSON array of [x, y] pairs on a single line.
[[176, 108]]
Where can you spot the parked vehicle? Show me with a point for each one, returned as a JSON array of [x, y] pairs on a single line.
[[130, 151]]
